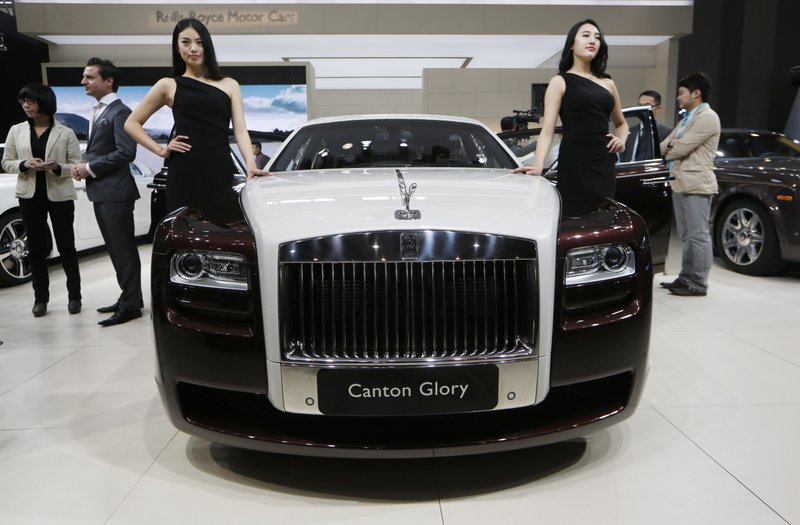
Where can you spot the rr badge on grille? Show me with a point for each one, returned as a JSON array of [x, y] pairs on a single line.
[[409, 248]]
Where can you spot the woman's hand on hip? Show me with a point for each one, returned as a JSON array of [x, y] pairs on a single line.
[[177, 145], [615, 144]]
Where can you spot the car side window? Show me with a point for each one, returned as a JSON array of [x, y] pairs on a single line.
[[733, 146], [770, 146], [640, 144]]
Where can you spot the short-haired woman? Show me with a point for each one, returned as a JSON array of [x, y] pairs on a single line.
[[41, 152]]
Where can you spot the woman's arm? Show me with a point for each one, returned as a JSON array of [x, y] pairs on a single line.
[[616, 143], [240, 130], [552, 106], [160, 95], [73, 154]]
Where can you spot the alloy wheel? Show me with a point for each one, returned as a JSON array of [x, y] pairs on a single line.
[[743, 236], [14, 261]]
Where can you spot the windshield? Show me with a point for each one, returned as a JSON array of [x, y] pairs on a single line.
[[390, 143], [749, 145]]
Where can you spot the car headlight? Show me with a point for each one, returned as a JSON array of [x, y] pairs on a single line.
[[599, 263], [209, 270]]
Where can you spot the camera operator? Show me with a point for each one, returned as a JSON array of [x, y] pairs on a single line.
[[513, 124]]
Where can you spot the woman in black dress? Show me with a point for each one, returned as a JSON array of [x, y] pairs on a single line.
[[203, 103], [585, 97]]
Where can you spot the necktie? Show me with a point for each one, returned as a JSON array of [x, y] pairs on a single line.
[[95, 111]]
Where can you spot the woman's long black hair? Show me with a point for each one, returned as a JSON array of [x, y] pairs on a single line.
[[209, 56], [598, 64]]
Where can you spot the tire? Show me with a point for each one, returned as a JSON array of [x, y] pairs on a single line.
[[15, 267], [746, 239]]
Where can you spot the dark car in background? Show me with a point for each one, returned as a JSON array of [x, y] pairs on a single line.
[[756, 215], [757, 212]]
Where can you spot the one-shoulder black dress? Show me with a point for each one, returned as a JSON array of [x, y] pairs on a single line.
[[204, 174], [584, 162]]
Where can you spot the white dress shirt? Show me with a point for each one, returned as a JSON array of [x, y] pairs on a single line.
[[97, 112]]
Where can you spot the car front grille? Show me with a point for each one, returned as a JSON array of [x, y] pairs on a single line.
[[414, 311]]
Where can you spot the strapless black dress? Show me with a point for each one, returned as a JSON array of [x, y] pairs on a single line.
[[204, 175], [584, 162]]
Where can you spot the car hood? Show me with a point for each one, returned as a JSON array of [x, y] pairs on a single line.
[[8, 187], [296, 205]]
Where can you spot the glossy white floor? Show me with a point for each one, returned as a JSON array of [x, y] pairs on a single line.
[[83, 438]]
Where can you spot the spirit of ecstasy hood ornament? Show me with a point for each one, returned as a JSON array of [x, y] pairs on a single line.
[[407, 214]]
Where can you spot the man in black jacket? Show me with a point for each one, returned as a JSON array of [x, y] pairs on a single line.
[[110, 185]]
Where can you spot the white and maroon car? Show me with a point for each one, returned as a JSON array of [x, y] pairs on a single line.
[[393, 290]]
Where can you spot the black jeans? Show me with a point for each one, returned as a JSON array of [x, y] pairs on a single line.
[[62, 216]]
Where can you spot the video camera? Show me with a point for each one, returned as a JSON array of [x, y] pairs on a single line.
[[523, 117]]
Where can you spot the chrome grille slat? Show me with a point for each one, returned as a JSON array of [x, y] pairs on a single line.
[[433, 305], [455, 313], [487, 306], [364, 320], [411, 349], [377, 310], [496, 313], [505, 311]]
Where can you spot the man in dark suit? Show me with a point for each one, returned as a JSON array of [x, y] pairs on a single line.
[[638, 146], [110, 186]]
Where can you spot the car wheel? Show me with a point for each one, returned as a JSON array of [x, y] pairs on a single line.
[[746, 239], [15, 266]]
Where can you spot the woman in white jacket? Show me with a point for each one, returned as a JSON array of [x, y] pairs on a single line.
[[42, 151]]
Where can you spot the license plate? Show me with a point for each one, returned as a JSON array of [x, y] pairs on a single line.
[[407, 391]]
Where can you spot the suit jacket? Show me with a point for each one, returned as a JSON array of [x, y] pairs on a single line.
[[693, 153], [62, 146], [109, 152]]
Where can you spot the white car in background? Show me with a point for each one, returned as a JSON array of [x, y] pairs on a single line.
[[14, 262]]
